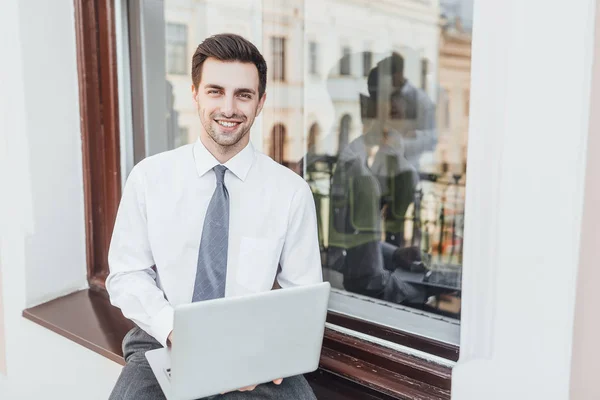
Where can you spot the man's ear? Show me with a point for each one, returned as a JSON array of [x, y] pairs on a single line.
[[194, 94], [261, 103]]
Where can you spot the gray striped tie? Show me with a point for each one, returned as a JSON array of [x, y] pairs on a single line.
[[212, 257]]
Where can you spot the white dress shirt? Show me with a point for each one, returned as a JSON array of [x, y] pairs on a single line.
[[154, 248]]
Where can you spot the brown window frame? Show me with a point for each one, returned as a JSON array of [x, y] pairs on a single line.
[[98, 97], [344, 357]]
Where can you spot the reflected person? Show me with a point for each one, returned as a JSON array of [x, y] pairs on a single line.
[[372, 175]]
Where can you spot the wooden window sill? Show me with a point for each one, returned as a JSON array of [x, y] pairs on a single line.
[[87, 318], [349, 368]]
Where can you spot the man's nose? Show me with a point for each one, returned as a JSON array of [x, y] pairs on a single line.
[[228, 107]]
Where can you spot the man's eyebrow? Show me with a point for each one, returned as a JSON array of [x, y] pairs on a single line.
[[213, 86], [245, 90], [236, 91]]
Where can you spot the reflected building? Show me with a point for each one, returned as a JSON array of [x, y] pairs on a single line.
[[369, 101], [344, 41], [303, 42], [454, 94]]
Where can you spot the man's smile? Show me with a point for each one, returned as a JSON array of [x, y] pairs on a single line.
[[228, 123]]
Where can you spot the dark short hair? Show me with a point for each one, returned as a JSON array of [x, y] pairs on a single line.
[[229, 47], [390, 65]]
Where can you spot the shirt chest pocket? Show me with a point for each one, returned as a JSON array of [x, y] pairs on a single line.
[[258, 260]]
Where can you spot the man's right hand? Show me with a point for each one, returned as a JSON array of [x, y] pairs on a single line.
[[170, 339]]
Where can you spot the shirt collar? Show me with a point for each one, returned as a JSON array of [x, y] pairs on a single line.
[[239, 164]]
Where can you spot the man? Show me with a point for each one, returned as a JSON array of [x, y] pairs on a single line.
[[401, 108], [374, 179], [211, 219], [399, 126]]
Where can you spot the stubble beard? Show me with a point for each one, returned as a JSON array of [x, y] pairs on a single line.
[[224, 141]]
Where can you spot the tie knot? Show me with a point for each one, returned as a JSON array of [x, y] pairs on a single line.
[[220, 173]]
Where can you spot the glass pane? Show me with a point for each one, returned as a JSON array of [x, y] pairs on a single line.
[[369, 102], [367, 62], [278, 57], [197, 20], [313, 54], [389, 178], [345, 61], [176, 43]]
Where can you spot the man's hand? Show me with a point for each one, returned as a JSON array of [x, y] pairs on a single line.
[[170, 339], [251, 388]]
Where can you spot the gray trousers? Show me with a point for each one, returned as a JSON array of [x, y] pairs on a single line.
[[137, 381]]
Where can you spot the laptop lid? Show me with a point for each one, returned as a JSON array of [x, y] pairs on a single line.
[[229, 343]]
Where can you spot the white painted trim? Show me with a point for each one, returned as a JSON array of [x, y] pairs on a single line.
[[529, 117], [586, 330], [484, 173], [2, 330]]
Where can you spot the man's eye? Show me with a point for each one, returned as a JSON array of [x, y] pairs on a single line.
[[246, 96], [213, 92]]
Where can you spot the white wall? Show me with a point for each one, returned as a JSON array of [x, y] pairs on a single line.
[[2, 336], [586, 331], [42, 235], [530, 107]]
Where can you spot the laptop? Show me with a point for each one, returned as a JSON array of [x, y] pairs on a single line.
[[225, 344]]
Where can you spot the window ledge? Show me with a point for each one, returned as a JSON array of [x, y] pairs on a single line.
[[349, 368], [87, 318]]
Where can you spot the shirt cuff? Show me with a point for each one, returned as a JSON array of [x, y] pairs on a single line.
[[162, 325]]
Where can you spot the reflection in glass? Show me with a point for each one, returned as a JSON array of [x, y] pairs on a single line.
[[278, 64], [367, 62], [278, 143], [313, 57], [369, 102], [176, 42], [393, 231]]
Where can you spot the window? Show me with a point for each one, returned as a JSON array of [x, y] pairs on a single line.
[[345, 68], [367, 62], [389, 205], [313, 138], [424, 73], [278, 54], [313, 49], [278, 136], [176, 41], [444, 109], [100, 127], [172, 119], [387, 218], [344, 132], [182, 136]]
